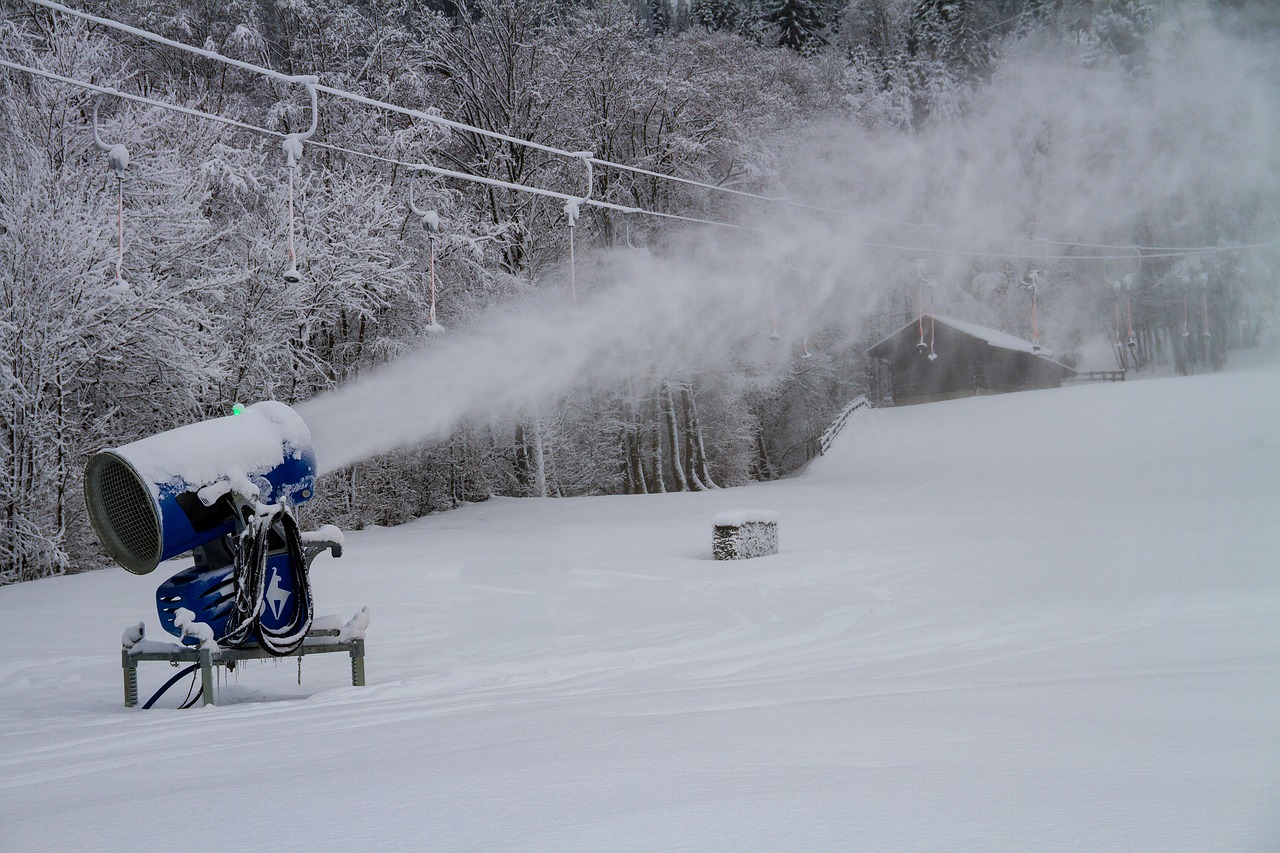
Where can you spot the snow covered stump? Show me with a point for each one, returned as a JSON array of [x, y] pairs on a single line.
[[740, 534]]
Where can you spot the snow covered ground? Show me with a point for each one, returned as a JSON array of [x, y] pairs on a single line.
[[1040, 621]]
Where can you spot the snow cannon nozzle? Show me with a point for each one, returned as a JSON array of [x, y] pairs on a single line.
[[175, 491]]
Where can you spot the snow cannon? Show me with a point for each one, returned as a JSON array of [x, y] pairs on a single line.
[[176, 491], [223, 489]]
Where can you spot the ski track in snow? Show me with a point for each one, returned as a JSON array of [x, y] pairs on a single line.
[[1038, 621]]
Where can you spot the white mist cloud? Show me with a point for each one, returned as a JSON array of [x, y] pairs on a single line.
[[1182, 152]]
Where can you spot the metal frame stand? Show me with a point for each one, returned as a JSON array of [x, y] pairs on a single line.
[[316, 642]]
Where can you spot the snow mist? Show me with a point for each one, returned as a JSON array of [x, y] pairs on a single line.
[[1058, 149]]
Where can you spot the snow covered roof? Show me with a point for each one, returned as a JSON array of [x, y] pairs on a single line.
[[993, 337]]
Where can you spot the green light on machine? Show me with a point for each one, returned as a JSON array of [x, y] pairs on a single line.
[[237, 408]]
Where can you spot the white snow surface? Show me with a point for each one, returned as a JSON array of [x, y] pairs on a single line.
[[1038, 621]]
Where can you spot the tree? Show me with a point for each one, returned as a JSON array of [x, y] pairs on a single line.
[[800, 24], [89, 355], [717, 14]]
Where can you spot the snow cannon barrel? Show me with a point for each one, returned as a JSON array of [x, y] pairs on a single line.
[[167, 494]]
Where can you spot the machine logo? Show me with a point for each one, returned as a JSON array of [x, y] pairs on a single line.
[[276, 595]]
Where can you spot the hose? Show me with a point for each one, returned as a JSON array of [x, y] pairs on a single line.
[[252, 548], [170, 683]]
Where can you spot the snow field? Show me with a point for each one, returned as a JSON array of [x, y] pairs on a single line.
[[1041, 621]]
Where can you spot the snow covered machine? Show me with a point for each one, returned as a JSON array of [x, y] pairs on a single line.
[[225, 490]]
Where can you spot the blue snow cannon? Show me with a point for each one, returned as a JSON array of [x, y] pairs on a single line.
[[173, 492]]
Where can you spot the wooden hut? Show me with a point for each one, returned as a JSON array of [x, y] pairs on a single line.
[[938, 358]]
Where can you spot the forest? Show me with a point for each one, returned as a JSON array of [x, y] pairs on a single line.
[[768, 188]]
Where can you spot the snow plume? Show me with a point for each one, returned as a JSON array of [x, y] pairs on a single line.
[[1172, 146], [647, 317]]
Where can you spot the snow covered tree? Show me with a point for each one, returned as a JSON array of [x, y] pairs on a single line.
[[659, 15], [717, 14], [1119, 28], [96, 344]]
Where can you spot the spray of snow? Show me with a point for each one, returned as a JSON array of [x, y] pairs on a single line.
[[1053, 148]]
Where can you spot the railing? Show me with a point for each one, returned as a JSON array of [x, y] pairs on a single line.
[[1101, 375], [824, 441]]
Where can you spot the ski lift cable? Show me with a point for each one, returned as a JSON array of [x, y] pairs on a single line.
[[495, 182], [139, 99], [439, 120], [159, 39], [799, 205], [292, 147], [571, 211], [291, 78], [592, 160], [461, 126], [1144, 251], [436, 170], [431, 223], [118, 161]]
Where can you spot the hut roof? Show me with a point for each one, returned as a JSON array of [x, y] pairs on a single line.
[[905, 337]]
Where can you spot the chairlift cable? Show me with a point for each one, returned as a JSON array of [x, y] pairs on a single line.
[[118, 161], [1161, 251], [119, 228], [431, 275], [431, 223], [1150, 252], [571, 212]]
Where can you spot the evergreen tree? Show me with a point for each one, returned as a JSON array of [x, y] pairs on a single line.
[[944, 30], [717, 14], [800, 24], [659, 16]]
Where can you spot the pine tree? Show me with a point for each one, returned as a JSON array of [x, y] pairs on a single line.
[[659, 16], [800, 24], [716, 14]]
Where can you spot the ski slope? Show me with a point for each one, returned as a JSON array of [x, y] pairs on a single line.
[[1040, 621]]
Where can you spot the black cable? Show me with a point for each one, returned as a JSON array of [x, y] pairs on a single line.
[[191, 699], [289, 638], [249, 557], [170, 683], [252, 548]]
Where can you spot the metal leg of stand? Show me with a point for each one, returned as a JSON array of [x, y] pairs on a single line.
[[130, 666], [357, 663], [206, 676]]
